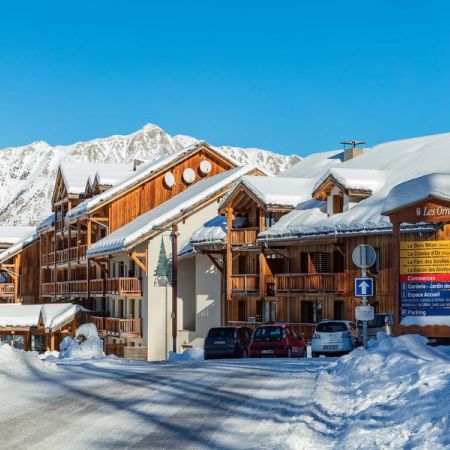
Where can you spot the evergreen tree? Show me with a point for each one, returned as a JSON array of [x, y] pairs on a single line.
[[162, 271]]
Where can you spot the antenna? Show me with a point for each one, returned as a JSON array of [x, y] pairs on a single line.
[[352, 143]]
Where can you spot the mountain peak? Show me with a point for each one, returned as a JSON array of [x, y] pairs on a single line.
[[27, 173]]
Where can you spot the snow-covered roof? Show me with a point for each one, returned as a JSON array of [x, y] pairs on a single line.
[[435, 185], [54, 315], [276, 191], [10, 235], [77, 174], [141, 173], [212, 232], [354, 179], [18, 246], [137, 230], [397, 161], [314, 165]]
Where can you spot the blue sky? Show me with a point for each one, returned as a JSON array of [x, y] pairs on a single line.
[[289, 76]]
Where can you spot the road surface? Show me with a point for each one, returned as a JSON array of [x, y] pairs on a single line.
[[228, 404]]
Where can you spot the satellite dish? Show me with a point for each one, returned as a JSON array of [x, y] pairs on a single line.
[[364, 256], [205, 167], [189, 176], [169, 179]]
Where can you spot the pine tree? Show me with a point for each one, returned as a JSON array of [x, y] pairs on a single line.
[[162, 273]]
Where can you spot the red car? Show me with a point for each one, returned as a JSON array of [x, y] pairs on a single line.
[[278, 339]]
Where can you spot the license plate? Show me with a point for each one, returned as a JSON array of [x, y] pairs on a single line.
[[219, 342], [330, 347], [266, 352]]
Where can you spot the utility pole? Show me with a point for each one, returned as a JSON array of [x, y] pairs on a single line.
[[174, 237], [365, 302]]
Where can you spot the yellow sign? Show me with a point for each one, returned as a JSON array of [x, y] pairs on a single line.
[[424, 257]]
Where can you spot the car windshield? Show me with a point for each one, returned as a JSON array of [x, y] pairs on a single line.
[[268, 333], [221, 333], [331, 327], [377, 322]]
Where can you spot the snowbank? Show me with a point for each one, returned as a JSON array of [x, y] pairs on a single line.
[[14, 362], [86, 345], [392, 396], [190, 354]]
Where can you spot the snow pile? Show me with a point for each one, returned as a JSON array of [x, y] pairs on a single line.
[[190, 354], [15, 362], [86, 345], [392, 396]]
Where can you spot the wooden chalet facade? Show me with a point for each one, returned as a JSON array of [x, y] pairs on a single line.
[[113, 289], [303, 281]]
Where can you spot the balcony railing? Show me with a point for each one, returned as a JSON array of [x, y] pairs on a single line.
[[66, 255], [309, 282], [130, 287], [244, 236], [117, 327], [245, 284], [7, 290], [124, 286]]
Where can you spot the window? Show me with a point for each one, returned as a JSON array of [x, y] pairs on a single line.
[[242, 310], [338, 310], [304, 259], [376, 267], [331, 327], [338, 261], [321, 262], [338, 204], [268, 334], [271, 219], [242, 264], [221, 333]]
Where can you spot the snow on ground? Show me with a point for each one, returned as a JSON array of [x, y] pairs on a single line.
[[190, 354], [393, 396]]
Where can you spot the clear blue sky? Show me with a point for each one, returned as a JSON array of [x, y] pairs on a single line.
[[290, 76]]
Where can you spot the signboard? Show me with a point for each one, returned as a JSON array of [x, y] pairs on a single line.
[[363, 287], [364, 256], [364, 313], [424, 278]]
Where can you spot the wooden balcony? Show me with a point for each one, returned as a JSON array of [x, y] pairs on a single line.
[[7, 290], [130, 287], [309, 282], [112, 326], [244, 236], [245, 284]]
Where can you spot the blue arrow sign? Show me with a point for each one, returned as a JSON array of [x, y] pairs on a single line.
[[363, 287]]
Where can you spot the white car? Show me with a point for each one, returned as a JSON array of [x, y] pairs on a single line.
[[333, 337]]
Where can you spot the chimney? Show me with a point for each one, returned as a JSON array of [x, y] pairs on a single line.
[[352, 152]]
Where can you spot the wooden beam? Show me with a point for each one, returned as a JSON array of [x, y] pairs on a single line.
[[135, 256], [215, 262], [229, 256]]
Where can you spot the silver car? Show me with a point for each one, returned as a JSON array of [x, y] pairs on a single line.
[[333, 338]]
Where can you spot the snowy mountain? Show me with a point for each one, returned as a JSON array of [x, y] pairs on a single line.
[[27, 173]]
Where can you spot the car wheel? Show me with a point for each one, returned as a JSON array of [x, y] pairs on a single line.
[[245, 353], [289, 353]]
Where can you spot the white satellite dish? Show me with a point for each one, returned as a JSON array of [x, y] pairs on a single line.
[[205, 167], [169, 179], [189, 176]]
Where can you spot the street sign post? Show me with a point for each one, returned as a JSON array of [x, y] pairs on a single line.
[[364, 256], [365, 313], [364, 287]]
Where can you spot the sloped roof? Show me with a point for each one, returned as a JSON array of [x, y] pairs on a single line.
[[399, 161], [18, 246], [54, 315], [137, 230], [354, 179], [275, 191], [141, 173], [436, 185], [314, 165]]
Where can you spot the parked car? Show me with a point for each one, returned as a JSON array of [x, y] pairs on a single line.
[[333, 337], [277, 339], [227, 342], [381, 322]]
